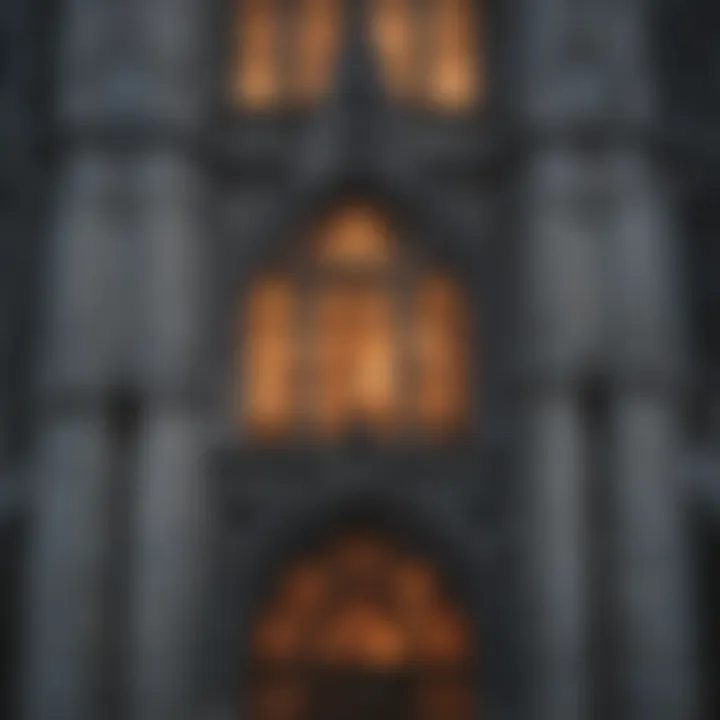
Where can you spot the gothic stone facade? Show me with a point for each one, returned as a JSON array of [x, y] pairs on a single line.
[[149, 531]]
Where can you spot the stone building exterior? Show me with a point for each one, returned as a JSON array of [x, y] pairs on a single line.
[[575, 521]]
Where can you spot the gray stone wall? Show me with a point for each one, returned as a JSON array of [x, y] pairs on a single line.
[[125, 418], [121, 413], [601, 302]]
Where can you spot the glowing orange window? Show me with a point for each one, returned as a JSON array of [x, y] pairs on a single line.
[[284, 51], [256, 79], [430, 51], [354, 334], [454, 73], [317, 39]]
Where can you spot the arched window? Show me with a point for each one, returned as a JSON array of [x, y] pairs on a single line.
[[430, 51], [361, 629], [354, 332], [285, 51]]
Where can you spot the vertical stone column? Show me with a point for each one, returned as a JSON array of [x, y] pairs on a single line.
[[169, 536], [562, 177], [64, 642], [560, 304], [589, 87], [173, 41], [81, 357], [652, 573], [645, 346]]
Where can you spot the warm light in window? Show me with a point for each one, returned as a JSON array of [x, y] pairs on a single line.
[[318, 37], [305, 588], [266, 395], [286, 51], [359, 235], [355, 367], [453, 73], [395, 24], [440, 335], [429, 52], [362, 634], [257, 53], [358, 336], [364, 625]]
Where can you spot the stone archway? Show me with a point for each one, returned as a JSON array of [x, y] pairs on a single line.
[[361, 629]]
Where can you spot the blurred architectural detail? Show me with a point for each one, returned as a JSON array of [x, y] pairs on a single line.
[[456, 55], [257, 75], [318, 36], [602, 302], [361, 628], [432, 369], [430, 53], [286, 51], [268, 363], [394, 25], [354, 332]]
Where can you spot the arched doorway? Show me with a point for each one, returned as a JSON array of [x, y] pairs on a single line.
[[361, 629]]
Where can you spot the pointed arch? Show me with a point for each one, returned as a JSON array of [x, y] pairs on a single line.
[[353, 329], [361, 619]]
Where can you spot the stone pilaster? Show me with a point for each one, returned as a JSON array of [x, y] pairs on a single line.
[[588, 93], [651, 541], [168, 533], [560, 330], [174, 42], [70, 496], [85, 358], [64, 639], [169, 536], [559, 96]]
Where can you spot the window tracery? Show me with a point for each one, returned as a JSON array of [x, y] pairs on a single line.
[[361, 626], [285, 51], [429, 50], [354, 332]]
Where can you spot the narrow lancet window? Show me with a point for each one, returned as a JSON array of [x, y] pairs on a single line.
[[285, 52], [258, 44], [430, 51], [317, 39], [454, 77]]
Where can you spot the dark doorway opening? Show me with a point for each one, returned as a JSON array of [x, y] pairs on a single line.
[[357, 694]]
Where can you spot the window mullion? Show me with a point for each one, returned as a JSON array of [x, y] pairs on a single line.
[[288, 20], [305, 380], [405, 355], [423, 48]]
